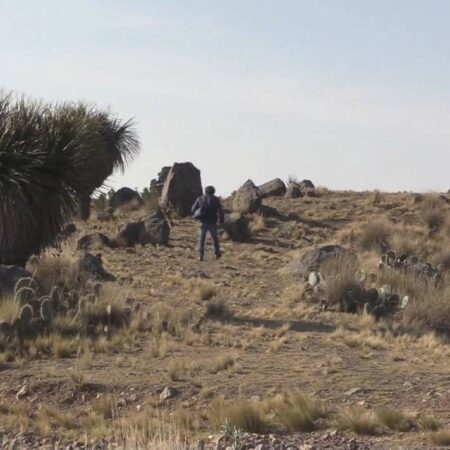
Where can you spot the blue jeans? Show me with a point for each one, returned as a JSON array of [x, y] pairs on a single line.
[[204, 228]]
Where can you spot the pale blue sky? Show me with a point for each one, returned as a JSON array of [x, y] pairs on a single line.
[[353, 94]]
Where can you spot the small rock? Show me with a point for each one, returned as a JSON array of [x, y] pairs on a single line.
[[168, 393], [353, 391], [121, 402], [23, 392]]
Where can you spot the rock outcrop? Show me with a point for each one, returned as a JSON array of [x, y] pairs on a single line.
[[182, 187], [247, 199], [273, 188]]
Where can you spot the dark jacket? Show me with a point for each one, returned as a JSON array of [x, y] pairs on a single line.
[[211, 209]]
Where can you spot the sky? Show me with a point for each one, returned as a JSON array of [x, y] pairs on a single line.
[[352, 94]]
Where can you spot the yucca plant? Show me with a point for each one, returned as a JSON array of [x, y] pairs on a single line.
[[52, 157]]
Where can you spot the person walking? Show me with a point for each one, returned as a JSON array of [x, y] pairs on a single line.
[[207, 209]]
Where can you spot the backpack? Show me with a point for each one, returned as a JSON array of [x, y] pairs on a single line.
[[207, 208]]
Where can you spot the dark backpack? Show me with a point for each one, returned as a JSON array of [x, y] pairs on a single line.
[[207, 208]]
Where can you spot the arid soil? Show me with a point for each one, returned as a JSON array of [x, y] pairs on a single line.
[[265, 339]]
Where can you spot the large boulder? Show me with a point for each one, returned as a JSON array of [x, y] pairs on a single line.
[[154, 230], [312, 260], [157, 184], [124, 196], [91, 266], [273, 188], [247, 199], [237, 227], [182, 187], [9, 275], [93, 241]]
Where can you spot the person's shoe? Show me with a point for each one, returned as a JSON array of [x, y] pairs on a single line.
[[218, 255], [201, 258]]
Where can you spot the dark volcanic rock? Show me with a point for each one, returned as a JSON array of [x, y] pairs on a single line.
[[273, 188], [182, 187], [92, 267], [237, 227], [124, 196], [247, 199], [153, 230], [93, 241]]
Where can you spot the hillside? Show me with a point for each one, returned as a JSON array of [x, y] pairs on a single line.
[[235, 338]]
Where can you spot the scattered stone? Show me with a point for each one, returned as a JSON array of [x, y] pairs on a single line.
[[93, 241], [92, 267], [154, 230], [23, 392], [168, 393], [354, 391], [124, 196], [293, 191]]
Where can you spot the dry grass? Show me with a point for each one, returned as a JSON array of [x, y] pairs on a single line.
[[104, 407], [224, 362], [429, 309], [257, 224], [357, 420], [242, 414], [9, 309], [428, 423], [297, 411], [374, 234], [441, 438], [394, 419]]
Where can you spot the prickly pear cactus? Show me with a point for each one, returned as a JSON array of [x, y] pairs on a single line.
[[45, 311], [27, 282], [55, 298], [26, 313], [25, 295]]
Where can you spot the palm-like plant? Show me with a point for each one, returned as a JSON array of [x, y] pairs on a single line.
[[51, 158]]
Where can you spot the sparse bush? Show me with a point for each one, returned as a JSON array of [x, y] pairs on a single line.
[[441, 438], [394, 419], [218, 309], [374, 234], [428, 423], [103, 407], [224, 362], [298, 412], [243, 415], [257, 224], [430, 308], [357, 420]]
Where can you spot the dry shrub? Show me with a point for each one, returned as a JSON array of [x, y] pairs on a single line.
[[257, 224], [374, 234], [103, 406], [441, 438], [218, 310], [428, 423], [56, 270], [9, 309], [243, 415], [434, 212], [340, 276], [297, 411], [224, 362], [394, 419], [357, 420], [430, 309], [377, 198]]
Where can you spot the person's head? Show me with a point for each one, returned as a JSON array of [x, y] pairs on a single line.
[[209, 190]]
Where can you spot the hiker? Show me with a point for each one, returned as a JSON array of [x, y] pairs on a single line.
[[208, 211]]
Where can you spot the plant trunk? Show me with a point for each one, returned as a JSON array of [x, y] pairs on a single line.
[[85, 207]]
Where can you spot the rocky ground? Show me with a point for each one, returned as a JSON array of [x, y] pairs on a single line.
[[270, 340]]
